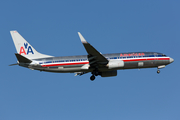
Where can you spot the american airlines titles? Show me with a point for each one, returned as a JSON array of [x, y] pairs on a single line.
[[132, 54]]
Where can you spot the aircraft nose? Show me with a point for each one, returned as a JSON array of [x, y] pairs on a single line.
[[171, 60]]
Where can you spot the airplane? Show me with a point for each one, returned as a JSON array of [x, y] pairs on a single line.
[[105, 65]]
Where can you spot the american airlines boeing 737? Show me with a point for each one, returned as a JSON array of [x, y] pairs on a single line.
[[105, 65]]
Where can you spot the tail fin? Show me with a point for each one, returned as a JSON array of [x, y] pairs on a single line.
[[24, 48]]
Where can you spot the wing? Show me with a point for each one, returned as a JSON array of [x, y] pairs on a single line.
[[95, 58]]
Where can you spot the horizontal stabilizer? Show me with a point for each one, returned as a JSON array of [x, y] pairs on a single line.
[[22, 59], [13, 64]]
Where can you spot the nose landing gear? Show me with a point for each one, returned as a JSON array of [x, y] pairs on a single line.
[[159, 67]]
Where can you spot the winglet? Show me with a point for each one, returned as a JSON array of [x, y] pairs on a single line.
[[82, 38]]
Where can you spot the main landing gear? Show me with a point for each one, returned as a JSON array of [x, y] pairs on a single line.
[[94, 73], [92, 78]]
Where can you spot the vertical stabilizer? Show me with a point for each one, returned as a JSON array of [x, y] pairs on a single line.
[[24, 48]]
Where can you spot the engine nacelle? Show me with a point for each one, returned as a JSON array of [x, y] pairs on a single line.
[[115, 64], [109, 73]]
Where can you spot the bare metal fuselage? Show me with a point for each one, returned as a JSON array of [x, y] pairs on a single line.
[[105, 65], [71, 64]]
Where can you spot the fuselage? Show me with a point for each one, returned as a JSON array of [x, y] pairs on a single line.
[[81, 63], [105, 65]]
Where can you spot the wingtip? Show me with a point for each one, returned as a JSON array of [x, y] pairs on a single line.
[[13, 31], [82, 38]]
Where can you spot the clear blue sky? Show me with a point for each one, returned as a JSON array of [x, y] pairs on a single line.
[[111, 27]]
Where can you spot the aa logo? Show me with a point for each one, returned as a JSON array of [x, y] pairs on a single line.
[[27, 48]]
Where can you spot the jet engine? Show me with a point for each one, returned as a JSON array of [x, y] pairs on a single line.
[[115, 64]]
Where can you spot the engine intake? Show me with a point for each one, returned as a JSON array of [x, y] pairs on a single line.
[[115, 64]]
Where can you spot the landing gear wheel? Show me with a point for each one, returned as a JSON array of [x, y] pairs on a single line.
[[158, 71], [92, 77]]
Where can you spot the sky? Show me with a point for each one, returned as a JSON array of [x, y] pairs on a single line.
[[111, 27]]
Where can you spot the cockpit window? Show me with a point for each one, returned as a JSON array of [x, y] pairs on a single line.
[[164, 55]]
